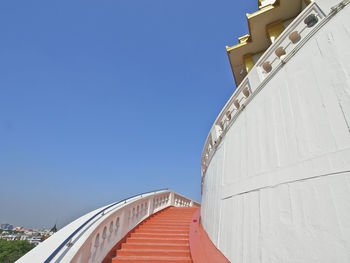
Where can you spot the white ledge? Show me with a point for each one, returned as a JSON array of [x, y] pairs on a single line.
[[286, 45]]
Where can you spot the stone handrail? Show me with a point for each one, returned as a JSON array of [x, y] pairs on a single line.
[[285, 46], [92, 242]]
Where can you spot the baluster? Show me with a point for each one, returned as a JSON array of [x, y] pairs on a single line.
[[133, 215], [95, 249], [104, 235], [116, 226], [110, 231]]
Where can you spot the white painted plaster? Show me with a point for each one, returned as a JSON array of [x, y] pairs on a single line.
[[277, 186]]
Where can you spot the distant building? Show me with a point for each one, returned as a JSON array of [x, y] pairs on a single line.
[[6, 226], [34, 240]]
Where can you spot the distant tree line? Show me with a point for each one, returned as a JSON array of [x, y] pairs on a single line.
[[12, 250]]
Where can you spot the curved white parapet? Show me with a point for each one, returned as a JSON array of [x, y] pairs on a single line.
[[91, 237], [286, 45], [276, 164]]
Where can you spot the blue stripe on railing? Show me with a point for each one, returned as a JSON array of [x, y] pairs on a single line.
[[58, 249]]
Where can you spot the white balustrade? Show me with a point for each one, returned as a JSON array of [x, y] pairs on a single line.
[[96, 239], [294, 36], [182, 201], [290, 38]]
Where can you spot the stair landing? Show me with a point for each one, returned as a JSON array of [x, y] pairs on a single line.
[[164, 237]]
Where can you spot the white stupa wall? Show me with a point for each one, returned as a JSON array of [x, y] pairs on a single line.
[[278, 186]]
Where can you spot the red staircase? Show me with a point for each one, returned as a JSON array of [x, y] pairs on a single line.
[[164, 237]]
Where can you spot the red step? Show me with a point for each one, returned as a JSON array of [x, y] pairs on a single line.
[[138, 240], [146, 259], [161, 238], [155, 246], [166, 230], [154, 252], [160, 235], [161, 227]]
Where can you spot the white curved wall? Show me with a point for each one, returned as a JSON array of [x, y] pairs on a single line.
[[277, 188]]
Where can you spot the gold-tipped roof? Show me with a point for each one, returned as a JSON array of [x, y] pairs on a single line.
[[258, 40]]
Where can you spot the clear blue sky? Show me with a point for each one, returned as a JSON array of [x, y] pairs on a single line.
[[100, 100]]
